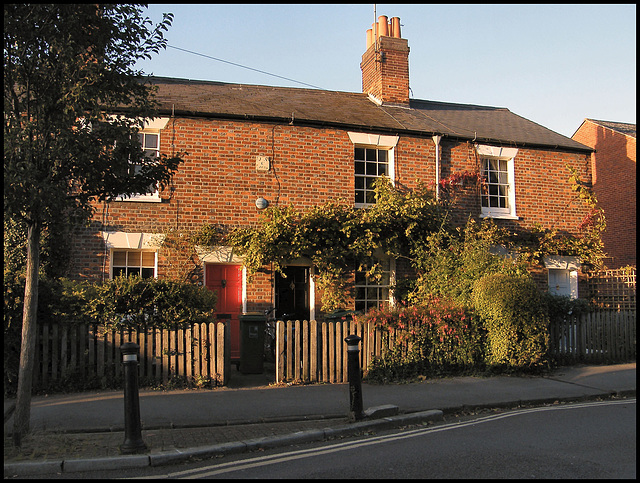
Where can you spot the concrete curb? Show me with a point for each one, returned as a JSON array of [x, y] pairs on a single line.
[[299, 437], [177, 456]]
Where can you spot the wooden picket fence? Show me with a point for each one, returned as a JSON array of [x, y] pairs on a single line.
[[306, 351], [312, 351], [91, 355], [602, 336]]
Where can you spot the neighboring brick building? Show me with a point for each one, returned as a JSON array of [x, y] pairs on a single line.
[[613, 166], [304, 147]]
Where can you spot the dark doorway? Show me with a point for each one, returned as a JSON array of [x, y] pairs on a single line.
[[292, 294]]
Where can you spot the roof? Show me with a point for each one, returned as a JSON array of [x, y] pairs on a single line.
[[621, 127], [348, 110]]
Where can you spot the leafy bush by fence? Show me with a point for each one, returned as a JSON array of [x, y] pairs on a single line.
[[124, 303], [311, 351], [515, 319]]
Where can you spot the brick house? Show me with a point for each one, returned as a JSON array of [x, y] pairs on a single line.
[[613, 167], [249, 145]]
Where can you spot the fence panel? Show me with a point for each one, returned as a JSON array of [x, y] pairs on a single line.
[[312, 351], [613, 289], [89, 354], [604, 336], [596, 337]]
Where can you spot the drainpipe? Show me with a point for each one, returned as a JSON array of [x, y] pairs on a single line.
[[436, 140]]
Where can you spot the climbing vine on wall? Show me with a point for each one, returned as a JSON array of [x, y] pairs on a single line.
[[337, 237], [404, 223], [586, 244]]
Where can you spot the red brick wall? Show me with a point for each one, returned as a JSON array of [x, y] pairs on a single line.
[[218, 184], [386, 74], [614, 183]]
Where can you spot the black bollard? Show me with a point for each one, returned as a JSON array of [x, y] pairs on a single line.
[[132, 430], [355, 381]]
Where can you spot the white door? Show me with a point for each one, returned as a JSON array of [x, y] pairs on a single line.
[[563, 282]]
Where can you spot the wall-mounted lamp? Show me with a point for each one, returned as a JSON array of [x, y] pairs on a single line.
[[261, 203]]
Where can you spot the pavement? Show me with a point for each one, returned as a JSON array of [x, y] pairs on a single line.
[[84, 431]]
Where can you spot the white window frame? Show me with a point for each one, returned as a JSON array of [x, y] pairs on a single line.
[[373, 285], [129, 257], [152, 127], [124, 241], [486, 152], [378, 142]]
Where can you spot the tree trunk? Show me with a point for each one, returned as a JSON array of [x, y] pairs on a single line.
[[22, 413]]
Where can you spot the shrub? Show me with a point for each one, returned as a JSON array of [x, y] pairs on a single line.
[[59, 301], [562, 306], [515, 318], [133, 301], [440, 337], [456, 259]]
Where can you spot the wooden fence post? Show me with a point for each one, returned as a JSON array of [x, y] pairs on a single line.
[[305, 352], [313, 351], [296, 351], [280, 351]]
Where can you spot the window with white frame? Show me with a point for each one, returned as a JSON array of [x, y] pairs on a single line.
[[373, 157], [150, 143], [373, 293], [370, 163], [149, 139], [142, 263], [498, 195]]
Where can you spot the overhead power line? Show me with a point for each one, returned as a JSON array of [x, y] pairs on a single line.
[[243, 66]]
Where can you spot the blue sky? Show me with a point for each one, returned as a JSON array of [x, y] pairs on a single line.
[[552, 64]]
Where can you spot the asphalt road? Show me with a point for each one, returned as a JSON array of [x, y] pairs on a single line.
[[577, 440]]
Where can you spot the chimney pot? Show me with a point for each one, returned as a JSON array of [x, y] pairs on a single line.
[[383, 26], [369, 38], [395, 27]]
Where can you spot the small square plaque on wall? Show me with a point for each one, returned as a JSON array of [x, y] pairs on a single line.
[[263, 163]]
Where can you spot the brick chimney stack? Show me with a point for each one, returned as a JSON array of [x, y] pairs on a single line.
[[385, 64]]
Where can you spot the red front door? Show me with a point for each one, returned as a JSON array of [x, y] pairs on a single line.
[[226, 281]]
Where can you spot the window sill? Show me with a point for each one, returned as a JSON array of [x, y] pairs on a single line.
[[150, 198], [499, 216]]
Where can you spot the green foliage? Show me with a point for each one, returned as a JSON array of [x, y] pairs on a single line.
[[560, 307], [410, 225], [337, 237], [586, 243], [66, 68], [515, 319], [60, 301], [453, 261], [440, 337], [326, 235], [133, 301]]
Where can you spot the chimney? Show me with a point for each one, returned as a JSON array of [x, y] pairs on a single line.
[[385, 64]]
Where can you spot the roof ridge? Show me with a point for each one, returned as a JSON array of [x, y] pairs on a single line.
[[624, 128]]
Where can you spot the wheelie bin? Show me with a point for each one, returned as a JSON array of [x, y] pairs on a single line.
[[252, 327]]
